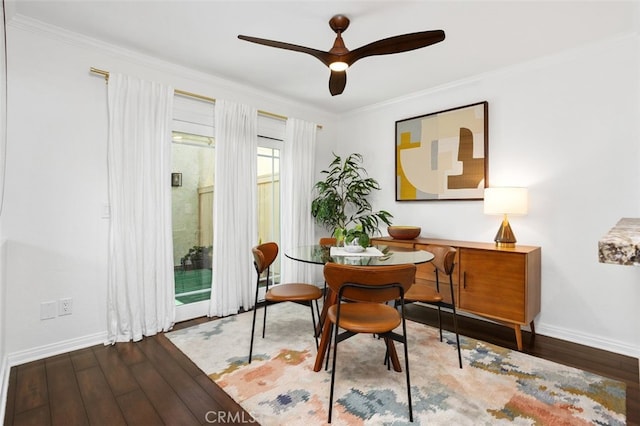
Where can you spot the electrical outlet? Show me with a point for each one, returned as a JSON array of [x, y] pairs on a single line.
[[47, 310], [65, 306]]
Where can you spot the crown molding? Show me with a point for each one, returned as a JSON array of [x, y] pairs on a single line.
[[555, 58], [34, 26]]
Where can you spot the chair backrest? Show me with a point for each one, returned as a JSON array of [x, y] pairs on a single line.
[[375, 278], [328, 241], [444, 258], [264, 255]]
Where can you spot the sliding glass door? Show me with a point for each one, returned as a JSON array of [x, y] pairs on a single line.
[[193, 212], [269, 199]]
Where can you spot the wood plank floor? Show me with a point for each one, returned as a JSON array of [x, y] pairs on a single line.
[[153, 383]]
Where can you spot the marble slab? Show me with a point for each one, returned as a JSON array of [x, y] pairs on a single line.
[[621, 245]]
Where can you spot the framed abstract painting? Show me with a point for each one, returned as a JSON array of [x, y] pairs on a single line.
[[443, 155]]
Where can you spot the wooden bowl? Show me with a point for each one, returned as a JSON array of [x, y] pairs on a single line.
[[404, 232]]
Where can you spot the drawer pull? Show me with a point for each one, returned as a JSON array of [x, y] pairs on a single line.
[[464, 279]]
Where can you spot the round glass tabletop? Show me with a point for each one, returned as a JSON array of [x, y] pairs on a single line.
[[379, 255]]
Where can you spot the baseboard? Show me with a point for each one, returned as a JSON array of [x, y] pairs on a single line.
[[572, 336], [33, 354], [598, 342], [4, 389]]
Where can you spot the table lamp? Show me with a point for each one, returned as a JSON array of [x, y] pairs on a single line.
[[505, 201]]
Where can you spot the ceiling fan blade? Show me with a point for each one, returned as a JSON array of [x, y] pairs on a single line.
[[337, 82], [324, 57], [397, 44]]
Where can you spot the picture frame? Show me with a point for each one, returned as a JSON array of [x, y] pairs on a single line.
[[443, 155], [176, 179]]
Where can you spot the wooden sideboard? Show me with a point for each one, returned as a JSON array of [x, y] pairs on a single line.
[[501, 284]]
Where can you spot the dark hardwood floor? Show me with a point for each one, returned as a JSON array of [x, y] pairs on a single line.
[[153, 383]]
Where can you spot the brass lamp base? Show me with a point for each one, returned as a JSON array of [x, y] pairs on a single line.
[[505, 237]]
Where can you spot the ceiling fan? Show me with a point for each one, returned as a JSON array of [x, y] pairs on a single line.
[[339, 58]]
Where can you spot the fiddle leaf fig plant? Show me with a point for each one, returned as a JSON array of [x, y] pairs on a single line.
[[341, 204]]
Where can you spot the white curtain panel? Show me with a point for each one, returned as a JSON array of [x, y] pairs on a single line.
[[140, 267], [235, 206], [297, 174]]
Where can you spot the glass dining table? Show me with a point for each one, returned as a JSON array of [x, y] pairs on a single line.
[[379, 255]]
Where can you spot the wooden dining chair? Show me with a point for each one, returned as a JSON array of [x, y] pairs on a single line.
[[263, 256], [443, 262], [327, 242], [367, 289]]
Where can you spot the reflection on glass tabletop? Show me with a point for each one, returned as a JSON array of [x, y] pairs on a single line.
[[390, 256]]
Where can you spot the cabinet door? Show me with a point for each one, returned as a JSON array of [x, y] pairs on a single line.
[[425, 274], [492, 283]]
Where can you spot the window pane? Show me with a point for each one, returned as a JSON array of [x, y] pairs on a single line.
[[192, 214], [269, 201]]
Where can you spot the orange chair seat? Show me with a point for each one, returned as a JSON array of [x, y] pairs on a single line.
[[422, 293], [293, 292], [363, 317]]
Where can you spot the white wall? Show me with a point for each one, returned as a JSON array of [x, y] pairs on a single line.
[[3, 127], [57, 178], [567, 128]]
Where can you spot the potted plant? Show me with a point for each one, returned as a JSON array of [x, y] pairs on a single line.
[[341, 204], [356, 236], [198, 257]]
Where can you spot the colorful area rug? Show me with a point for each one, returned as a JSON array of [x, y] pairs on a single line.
[[495, 386]]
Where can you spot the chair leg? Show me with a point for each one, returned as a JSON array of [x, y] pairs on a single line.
[[455, 320], [319, 326], [253, 329], [333, 372], [406, 362], [455, 327], [439, 321], [264, 319], [387, 356], [313, 319], [328, 354], [255, 311]]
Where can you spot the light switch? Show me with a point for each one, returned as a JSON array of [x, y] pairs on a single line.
[[48, 310]]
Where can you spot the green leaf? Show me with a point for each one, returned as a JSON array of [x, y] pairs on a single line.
[[341, 198]]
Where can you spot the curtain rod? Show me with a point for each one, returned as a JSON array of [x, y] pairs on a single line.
[[105, 74]]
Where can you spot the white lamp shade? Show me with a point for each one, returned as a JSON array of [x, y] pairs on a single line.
[[505, 200]]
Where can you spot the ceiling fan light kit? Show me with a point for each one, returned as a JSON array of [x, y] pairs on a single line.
[[338, 66], [339, 58]]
